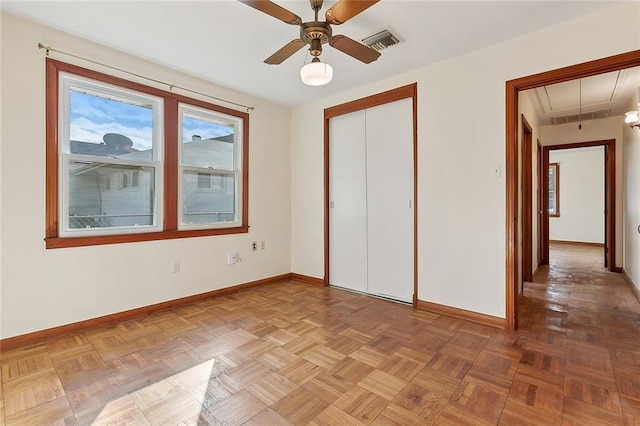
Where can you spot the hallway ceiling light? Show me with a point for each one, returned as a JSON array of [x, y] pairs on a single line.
[[632, 119]]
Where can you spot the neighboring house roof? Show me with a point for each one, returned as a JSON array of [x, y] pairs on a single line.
[[114, 145]]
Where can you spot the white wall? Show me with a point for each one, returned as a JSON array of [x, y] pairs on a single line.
[[631, 191], [581, 195], [594, 130], [47, 288], [461, 227]]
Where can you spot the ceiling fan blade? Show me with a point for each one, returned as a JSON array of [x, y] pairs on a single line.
[[287, 50], [274, 10], [344, 10], [354, 49]]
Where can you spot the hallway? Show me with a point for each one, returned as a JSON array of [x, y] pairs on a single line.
[[584, 338]]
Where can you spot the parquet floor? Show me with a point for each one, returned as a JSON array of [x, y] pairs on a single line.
[[292, 353]]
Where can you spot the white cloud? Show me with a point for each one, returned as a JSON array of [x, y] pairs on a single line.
[[85, 130]]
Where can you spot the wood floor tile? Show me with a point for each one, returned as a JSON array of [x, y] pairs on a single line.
[[300, 371], [369, 356], [581, 413], [519, 413], [332, 416], [361, 404], [420, 400], [328, 386], [474, 398], [121, 411], [300, 406], [351, 369], [88, 400], [451, 366], [323, 357], [592, 393], [543, 398], [631, 411], [25, 393], [55, 411], [628, 386], [22, 363], [542, 368], [210, 393], [394, 415], [174, 409], [292, 353], [237, 408], [383, 384], [267, 417], [271, 388]]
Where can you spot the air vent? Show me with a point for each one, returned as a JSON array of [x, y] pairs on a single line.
[[574, 118], [381, 40]]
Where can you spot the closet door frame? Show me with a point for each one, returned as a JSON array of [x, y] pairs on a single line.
[[404, 92]]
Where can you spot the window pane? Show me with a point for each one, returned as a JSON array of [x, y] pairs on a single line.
[[106, 195], [109, 127], [207, 143], [208, 198], [553, 184]]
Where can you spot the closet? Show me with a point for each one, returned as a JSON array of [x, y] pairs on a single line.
[[371, 206]]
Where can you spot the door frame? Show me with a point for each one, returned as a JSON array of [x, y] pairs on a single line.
[[404, 92], [542, 258], [527, 202], [609, 195], [512, 88]]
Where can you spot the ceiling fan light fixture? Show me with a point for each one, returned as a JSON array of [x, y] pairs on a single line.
[[316, 73]]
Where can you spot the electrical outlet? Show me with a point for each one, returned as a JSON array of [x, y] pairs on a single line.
[[254, 245], [175, 267], [263, 245]]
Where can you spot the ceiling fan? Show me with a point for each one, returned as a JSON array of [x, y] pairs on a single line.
[[316, 33]]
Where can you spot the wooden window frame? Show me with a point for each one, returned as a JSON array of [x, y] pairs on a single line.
[[170, 164], [556, 191]]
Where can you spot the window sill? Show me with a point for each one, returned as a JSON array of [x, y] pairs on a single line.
[[55, 243]]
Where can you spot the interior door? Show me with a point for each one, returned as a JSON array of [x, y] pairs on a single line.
[[390, 180], [347, 205]]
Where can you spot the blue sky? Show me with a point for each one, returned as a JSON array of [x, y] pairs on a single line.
[[92, 116]]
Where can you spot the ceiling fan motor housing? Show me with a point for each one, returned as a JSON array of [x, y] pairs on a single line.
[[316, 34]]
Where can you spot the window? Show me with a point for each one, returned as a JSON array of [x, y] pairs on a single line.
[[554, 189], [128, 162], [210, 171]]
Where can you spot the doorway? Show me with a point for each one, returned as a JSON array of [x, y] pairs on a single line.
[[609, 224], [513, 87]]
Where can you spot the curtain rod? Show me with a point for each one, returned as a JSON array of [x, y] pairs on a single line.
[[171, 86]]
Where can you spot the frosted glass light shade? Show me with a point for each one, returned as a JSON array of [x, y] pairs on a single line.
[[316, 74], [631, 117]]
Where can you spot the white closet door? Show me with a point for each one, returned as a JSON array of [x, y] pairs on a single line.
[[348, 218], [389, 135]]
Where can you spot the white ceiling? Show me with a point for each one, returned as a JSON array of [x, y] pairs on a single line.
[[226, 41], [600, 96]]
